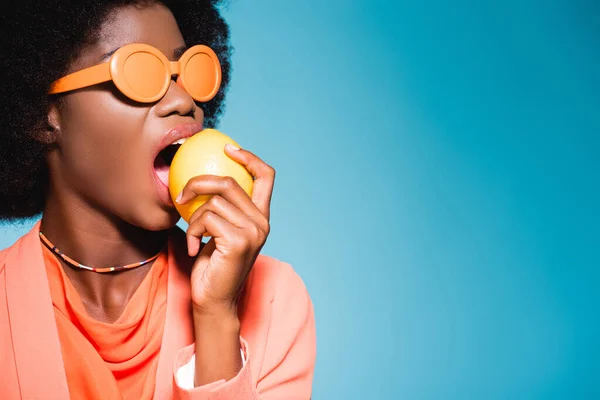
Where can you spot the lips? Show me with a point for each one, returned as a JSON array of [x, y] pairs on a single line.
[[165, 150]]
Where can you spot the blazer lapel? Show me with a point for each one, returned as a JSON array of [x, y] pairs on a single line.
[[32, 323]]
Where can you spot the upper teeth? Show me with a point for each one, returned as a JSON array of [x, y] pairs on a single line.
[[180, 141]]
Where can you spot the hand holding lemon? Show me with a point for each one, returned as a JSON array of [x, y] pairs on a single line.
[[225, 192]]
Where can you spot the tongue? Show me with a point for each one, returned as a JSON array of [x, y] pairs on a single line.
[[162, 170]]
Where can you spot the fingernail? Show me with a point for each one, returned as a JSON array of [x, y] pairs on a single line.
[[232, 147], [178, 199]]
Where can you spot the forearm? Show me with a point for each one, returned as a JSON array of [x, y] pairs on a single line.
[[217, 345]]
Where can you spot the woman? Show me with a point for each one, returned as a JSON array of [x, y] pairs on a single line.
[[106, 298]]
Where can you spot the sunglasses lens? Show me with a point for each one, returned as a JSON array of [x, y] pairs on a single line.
[[145, 75], [202, 76]]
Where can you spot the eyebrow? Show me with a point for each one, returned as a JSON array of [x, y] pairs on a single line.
[[177, 53]]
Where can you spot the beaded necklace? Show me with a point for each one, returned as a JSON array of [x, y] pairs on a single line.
[[100, 270]]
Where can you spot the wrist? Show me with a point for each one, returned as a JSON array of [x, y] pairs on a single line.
[[217, 342], [215, 310], [223, 320]]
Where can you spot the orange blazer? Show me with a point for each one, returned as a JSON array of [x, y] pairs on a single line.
[[275, 310]]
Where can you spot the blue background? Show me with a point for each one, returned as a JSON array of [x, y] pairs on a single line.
[[437, 190]]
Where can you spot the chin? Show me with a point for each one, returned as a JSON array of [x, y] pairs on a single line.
[[159, 221]]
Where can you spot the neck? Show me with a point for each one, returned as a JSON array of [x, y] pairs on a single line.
[[99, 240]]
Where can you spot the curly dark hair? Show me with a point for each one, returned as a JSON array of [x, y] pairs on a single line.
[[38, 42]]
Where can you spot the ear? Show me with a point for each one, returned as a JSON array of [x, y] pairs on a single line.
[[49, 132]]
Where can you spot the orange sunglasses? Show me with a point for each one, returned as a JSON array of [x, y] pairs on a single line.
[[142, 73]]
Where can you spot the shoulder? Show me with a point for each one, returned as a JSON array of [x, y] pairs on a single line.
[[2, 258], [275, 295], [22, 246], [5, 252], [276, 278], [8, 249]]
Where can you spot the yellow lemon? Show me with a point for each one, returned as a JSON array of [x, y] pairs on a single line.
[[204, 154]]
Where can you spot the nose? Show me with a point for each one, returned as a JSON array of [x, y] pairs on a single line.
[[176, 101]]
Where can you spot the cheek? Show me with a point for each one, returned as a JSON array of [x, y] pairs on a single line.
[[103, 144]]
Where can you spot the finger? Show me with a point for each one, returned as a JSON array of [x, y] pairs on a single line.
[[226, 187], [264, 177], [223, 208], [210, 223]]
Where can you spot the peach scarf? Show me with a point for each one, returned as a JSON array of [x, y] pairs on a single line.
[[110, 360]]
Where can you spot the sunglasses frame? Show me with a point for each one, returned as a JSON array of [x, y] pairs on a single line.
[[113, 71]]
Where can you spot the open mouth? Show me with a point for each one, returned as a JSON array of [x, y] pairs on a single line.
[[163, 161], [166, 149]]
